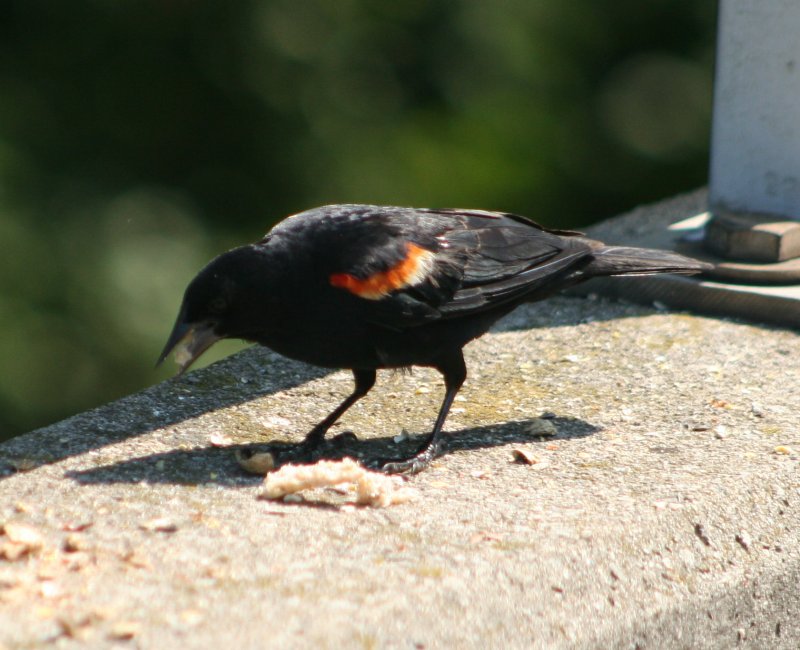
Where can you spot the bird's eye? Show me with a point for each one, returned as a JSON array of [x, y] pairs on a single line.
[[218, 305]]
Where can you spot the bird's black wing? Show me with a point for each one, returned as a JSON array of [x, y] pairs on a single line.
[[507, 257], [402, 267]]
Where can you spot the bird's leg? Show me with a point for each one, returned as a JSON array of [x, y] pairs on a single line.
[[364, 381], [455, 372]]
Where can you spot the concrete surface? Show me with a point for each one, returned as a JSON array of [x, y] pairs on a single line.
[[664, 514]]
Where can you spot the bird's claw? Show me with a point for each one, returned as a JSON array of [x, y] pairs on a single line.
[[413, 465], [297, 454], [343, 439]]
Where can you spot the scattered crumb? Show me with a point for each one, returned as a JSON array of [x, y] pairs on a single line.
[[260, 463], [74, 543], [782, 450], [743, 539], [295, 478], [401, 437], [160, 525], [22, 534], [379, 490], [372, 488], [19, 540], [701, 533], [524, 457], [49, 589], [219, 440]]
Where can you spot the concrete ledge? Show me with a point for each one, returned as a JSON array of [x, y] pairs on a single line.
[[660, 516]]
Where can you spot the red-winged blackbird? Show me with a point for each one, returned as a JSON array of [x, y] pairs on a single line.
[[367, 287]]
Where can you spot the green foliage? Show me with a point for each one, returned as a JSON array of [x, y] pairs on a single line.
[[138, 139]]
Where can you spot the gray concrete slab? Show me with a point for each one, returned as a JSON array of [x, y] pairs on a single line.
[[664, 513]]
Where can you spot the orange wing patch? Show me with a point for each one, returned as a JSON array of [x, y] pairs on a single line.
[[411, 270]]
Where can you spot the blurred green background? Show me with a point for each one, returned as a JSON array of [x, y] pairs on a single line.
[[140, 138]]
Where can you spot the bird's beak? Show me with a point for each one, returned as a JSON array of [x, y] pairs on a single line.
[[189, 340]]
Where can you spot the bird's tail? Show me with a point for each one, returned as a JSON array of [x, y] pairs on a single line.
[[625, 260]]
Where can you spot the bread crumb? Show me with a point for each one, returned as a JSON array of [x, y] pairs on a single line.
[[260, 463], [372, 488]]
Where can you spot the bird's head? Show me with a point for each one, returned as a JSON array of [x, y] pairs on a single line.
[[219, 303]]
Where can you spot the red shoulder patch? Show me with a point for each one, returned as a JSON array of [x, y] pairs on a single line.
[[411, 270]]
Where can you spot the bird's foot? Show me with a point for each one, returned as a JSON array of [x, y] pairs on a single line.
[[309, 450], [343, 439], [302, 453], [413, 465]]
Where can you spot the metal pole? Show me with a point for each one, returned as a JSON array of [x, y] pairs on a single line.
[[755, 141]]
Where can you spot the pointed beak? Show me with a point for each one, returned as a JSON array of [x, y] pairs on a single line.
[[189, 341]]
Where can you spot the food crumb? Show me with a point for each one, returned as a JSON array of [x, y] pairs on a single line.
[[372, 488]]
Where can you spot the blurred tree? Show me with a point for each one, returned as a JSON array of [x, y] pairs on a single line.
[[139, 138]]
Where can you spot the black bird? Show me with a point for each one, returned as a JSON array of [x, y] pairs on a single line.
[[366, 287]]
